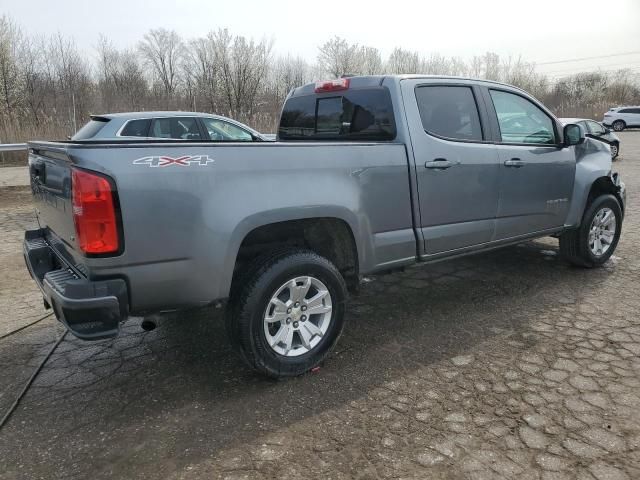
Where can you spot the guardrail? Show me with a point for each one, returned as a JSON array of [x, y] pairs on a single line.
[[13, 147]]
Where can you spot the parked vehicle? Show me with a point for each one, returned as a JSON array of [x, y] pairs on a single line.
[[622, 117], [368, 174], [166, 125], [597, 131]]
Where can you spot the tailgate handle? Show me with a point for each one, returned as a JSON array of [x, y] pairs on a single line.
[[441, 163], [37, 171]]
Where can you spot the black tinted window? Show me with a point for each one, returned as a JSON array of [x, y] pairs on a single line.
[[449, 111], [362, 114], [136, 128], [90, 129]]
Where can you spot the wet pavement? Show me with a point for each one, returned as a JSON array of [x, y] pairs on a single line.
[[510, 364]]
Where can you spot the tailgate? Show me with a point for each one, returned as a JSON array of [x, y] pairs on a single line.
[[50, 173]]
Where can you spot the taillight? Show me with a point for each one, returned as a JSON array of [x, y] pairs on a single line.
[[332, 85], [94, 213]]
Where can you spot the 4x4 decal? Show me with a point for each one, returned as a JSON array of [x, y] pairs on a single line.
[[184, 161]]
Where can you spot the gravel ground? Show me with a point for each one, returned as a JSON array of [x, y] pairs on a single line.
[[510, 364], [14, 176]]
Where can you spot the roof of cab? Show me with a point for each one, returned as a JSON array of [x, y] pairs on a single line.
[[359, 81]]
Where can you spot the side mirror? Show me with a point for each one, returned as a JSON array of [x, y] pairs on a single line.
[[607, 130], [573, 135]]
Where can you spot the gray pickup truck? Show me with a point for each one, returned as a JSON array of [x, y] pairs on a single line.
[[368, 174]]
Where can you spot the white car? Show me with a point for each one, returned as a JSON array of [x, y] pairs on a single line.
[[622, 117]]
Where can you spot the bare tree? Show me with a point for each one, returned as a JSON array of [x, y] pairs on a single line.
[[243, 69], [403, 61], [370, 61], [162, 49], [48, 87], [10, 78], [337, 57]]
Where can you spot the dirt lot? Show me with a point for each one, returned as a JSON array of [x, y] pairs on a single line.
[[504, 365]]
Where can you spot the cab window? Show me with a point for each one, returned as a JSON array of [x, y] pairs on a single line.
[[521, 121], [449, 111]]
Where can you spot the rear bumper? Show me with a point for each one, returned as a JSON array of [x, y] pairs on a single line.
[[91, 310]]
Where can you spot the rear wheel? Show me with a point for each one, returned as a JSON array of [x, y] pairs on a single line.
[[593, 243], [618, 125], [288, 313]]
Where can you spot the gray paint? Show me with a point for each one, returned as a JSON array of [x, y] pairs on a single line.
[[183, 226]]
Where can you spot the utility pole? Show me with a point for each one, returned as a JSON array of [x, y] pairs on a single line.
[[73, 102]]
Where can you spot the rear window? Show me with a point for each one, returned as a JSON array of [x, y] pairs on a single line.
[[359, 114], [91, 129]]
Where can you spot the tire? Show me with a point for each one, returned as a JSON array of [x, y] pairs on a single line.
[[575, 244], [252, 301], [618, 125], [615, 150]]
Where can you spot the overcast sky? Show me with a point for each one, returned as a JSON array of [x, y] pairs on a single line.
[[539, 30]]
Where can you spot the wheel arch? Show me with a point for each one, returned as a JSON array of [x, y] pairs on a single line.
[[599, 185], [619, 120], [331, 233]]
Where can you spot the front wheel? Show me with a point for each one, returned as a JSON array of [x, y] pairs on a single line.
[[615, 150], [593, 243], [289, 312]]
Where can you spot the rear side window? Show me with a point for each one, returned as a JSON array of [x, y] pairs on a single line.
[[91, 129], [358, 114], [136, 128], [179, 128], [629, 110], [449, 111]]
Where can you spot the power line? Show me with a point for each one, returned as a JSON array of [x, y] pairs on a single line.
[[621, 66], [589, 58], [557, 78]]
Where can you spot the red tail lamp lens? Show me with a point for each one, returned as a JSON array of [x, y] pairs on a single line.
[[94, 213]]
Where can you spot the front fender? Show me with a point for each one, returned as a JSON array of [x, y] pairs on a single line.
[[593, 161]]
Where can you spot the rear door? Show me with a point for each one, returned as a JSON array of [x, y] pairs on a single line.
[[633, 117], [456, 163], [536, 172]]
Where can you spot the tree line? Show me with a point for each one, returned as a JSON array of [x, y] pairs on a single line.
[[48, 86]]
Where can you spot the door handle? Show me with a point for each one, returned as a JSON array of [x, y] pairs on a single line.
[[514, 162], [441, 163]]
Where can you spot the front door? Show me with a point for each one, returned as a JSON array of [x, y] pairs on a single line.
[[456, 164], [537, 172]]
